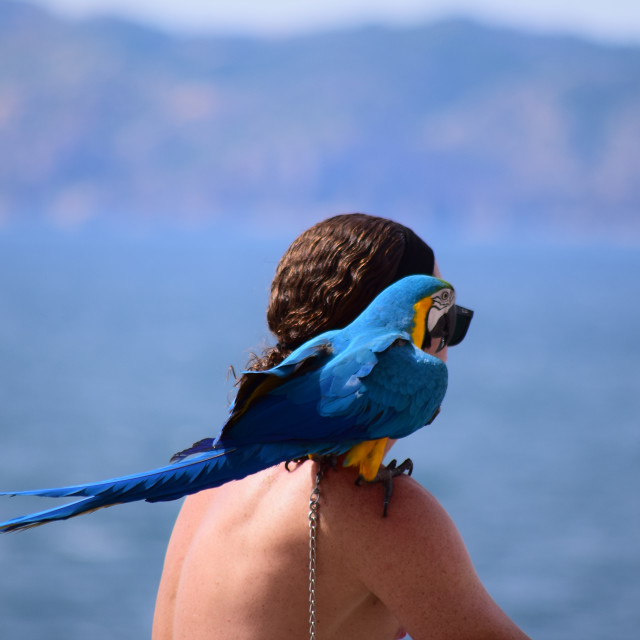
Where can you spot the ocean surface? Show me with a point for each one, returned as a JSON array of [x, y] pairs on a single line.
[[114, 353]]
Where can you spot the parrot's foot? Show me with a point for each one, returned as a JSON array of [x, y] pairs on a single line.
[[296, 460], [386, 475], [328, 461]]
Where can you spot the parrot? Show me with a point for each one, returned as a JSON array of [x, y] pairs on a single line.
[[344, 391]]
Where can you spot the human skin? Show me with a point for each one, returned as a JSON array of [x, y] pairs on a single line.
[[237, 564]]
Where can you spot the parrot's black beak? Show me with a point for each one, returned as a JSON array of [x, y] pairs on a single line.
[[442, 330], [426, 343]]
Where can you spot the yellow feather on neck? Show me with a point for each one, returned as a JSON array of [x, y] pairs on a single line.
[[367, 456], [421, 309]]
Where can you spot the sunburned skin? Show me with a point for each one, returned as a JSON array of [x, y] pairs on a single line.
[[237, 564], [236, 567]]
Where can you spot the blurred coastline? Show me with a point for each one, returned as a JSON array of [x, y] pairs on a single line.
[[482, 132]]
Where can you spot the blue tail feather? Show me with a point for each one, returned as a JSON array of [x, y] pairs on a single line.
[[166, 483], [204, 471], [58, 513], [206, 444]]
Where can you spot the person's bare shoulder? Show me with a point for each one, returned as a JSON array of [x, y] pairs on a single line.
[[414, 560]]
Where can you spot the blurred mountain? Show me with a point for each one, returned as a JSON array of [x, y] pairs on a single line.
[[485, 130]]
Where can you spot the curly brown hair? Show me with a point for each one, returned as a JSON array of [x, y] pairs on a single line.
[[331, 273]]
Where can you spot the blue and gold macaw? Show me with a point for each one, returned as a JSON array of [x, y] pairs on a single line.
[[343, 392]]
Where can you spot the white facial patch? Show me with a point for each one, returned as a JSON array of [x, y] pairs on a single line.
[[442, 302]]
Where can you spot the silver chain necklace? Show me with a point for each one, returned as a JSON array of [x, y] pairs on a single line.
[[314, 507]]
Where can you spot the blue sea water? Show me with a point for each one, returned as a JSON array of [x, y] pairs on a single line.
[[114, 350]]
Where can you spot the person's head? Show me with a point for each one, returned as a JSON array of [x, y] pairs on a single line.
[[331, 273]]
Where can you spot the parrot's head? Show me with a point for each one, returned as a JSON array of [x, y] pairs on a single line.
[[422, 306]]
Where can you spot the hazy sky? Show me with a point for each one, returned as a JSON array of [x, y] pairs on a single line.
[[616, 20]]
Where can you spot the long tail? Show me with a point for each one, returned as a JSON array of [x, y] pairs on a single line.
[[204, 471]]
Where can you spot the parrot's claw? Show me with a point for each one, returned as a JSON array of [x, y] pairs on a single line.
[[385, 475], [327, 461], [296, 460], [404, 467]]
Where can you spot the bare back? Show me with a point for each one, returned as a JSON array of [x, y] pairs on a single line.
[[237, 565]]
